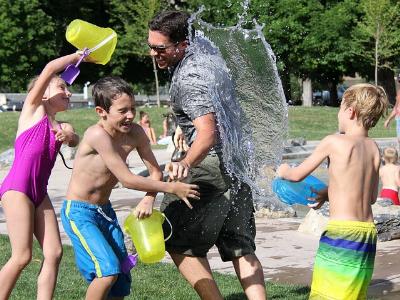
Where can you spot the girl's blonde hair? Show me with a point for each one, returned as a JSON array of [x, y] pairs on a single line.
[[32, 83], [368, 101], [390, 155]]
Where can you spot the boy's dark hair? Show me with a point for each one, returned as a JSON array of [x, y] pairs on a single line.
[[173, 24], [107, 89]]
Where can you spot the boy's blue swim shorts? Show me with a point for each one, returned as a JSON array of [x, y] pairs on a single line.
[[98, 242]]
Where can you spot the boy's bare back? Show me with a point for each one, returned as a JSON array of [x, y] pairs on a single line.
[[390, 176], [353, 177], [354, 158], [92, 179]]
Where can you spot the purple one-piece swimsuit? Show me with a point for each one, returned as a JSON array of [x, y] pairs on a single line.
[[35, 154]]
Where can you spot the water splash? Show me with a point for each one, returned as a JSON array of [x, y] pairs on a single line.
[[249, 101]]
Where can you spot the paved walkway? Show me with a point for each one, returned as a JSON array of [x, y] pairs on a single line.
[[286, 254]]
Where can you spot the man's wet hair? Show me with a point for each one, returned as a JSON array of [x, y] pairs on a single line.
[[173, 24], [109, 88]]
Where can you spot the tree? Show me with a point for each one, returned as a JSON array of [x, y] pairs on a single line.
[[92, 11], [327, 56], [377, 39], [287, 25], [26, 42], [130, 19]]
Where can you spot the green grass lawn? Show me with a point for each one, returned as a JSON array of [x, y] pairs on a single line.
[[311, 123], [156, 281]]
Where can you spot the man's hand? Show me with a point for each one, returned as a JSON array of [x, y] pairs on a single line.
[[177, 170], [319, 199], [386, 124], [179, 140], [145, 208]]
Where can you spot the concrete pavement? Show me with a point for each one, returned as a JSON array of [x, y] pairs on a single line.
[[286, 255]]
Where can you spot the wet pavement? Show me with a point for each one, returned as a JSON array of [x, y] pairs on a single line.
[[286, 255]]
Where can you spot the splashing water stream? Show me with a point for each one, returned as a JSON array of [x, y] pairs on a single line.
[[249, 101]]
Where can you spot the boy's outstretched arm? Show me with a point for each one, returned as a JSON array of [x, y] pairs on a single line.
[[101, 142], [145, 207], [308, 165]]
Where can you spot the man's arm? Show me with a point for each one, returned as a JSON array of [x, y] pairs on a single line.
[[310, 163], [205, 139]]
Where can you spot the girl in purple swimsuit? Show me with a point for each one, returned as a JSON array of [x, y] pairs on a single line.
[[23, 193]]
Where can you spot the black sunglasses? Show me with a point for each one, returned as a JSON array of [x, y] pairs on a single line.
[[161, 48]]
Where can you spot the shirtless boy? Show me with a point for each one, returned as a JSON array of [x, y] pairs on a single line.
[[390, 175], [345, 258], [87, 214]]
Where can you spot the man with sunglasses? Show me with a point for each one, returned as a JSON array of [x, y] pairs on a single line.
[[220, 217]]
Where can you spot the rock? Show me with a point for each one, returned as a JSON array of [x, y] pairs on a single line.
[[314, 223], [298, 141], [6, 158], [386, 219], [68, 152], [272, 214]]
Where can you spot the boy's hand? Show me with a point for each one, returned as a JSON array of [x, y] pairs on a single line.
[[185, 191], [386, 124], [320, 198], [145, 208], [282, 169]]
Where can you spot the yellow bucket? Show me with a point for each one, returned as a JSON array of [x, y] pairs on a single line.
[[100, 41], [147, 236]]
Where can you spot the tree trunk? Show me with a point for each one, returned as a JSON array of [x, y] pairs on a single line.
[[307, 92], [333, 99], [387, 81], [156, 78], [376, 54], [285, 77]]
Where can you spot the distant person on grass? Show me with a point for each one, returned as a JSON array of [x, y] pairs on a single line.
[[144, 121], [23, 193], [345, 258], [390, 175], [395, 114], [87, 214]]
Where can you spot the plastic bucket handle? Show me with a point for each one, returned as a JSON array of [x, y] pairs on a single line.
[[170, 225], [102, 43]]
